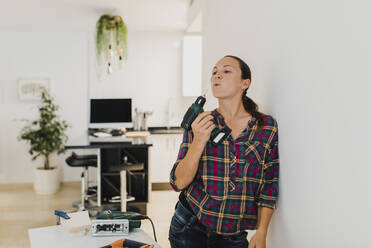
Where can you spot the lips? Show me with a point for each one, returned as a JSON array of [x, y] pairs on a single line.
[[215, 85]]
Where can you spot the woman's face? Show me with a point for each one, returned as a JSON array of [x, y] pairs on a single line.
[[226, 81]]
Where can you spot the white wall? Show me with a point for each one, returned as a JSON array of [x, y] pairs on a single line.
[[151, 77], [310, 62], [59, 56]]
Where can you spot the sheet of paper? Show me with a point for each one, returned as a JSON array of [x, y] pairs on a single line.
[[78, 224]]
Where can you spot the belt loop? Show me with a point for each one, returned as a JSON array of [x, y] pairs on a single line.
[[192, 221]]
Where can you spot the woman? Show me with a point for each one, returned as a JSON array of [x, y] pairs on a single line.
[[231, 187]]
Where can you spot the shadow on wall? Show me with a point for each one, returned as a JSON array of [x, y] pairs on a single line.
[[279, 230]]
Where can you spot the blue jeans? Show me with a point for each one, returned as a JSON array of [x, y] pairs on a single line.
[[186, 231]]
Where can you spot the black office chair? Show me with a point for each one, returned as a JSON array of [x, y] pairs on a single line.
[[85, 161]]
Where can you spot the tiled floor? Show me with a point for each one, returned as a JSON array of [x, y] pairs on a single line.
[[21, 209]]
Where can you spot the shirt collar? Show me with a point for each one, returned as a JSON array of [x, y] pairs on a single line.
[[221, 121]]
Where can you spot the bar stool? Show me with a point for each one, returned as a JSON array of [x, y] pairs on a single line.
[[85, 161]]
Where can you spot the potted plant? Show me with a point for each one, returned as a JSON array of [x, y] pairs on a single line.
[[111, 41], [46, 136]]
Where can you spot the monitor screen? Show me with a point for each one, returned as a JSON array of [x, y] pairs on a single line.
[[110, 110]]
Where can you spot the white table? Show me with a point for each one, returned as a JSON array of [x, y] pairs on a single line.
[[56, 236]]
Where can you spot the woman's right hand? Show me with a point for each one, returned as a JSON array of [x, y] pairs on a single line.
[[202, 127]]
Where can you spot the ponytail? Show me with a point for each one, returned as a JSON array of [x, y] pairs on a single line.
[[251, 107]]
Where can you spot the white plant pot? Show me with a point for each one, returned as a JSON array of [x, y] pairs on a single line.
[[46, 182]]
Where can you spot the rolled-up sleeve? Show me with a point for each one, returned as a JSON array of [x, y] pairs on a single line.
[[270, 187], [186, 141]]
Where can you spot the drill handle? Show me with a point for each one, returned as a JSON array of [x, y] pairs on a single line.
[[188, 119]]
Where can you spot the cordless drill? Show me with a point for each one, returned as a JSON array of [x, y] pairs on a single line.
[[217, 135]]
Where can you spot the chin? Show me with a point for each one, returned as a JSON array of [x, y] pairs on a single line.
[[219, 94], [216, 95]]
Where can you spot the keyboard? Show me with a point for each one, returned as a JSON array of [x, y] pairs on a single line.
[[102, 134]]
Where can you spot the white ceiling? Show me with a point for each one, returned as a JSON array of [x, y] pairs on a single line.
[[157, 15]]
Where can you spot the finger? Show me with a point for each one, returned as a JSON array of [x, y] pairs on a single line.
[[207, 125], [202, 122], [251, 244], [201, 116], [205, 122], [206, 119], [210, 128]]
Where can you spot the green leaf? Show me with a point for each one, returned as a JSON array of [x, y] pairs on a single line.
[[47, 134]]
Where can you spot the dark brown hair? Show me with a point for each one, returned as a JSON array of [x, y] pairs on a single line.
[[249, 105]]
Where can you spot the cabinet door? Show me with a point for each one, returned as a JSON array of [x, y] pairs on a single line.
[[175, 143], [164, 152], [176, 140], [159, 157]]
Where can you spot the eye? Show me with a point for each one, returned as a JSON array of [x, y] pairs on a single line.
[[214, 73], [227, 71]]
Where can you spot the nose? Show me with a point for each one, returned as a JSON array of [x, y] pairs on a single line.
[[217, 75]]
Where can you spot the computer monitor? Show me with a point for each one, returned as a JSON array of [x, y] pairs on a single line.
[[111, 113]]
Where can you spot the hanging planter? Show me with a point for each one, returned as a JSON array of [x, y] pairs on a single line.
[[111, 42]]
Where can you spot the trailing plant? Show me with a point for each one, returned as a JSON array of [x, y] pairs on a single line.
[[111, 39]]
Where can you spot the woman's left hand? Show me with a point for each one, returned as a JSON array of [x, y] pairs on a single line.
[[258, 240]]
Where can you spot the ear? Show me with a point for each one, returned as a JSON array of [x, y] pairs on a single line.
[[246, 83]]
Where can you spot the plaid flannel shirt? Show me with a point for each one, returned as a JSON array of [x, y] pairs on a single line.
[[234, 178]]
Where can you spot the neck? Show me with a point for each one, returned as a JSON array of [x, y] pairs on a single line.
[[231, 109]]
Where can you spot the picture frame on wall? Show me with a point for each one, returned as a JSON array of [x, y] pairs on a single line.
[[29, 89]]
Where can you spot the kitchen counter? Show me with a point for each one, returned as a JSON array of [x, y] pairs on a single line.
[[165, 130], [152, 130]]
